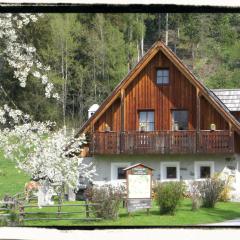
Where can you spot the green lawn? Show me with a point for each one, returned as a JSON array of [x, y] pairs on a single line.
[[11, 181], [184, 217]]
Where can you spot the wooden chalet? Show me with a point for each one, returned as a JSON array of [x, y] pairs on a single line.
[[161, 108]]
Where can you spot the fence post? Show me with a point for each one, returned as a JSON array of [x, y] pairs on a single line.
[[87, 208], [21, 213], [60, 199]]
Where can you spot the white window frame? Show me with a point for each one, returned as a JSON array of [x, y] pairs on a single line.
[[115, 166], [198, 164], [163, 169]]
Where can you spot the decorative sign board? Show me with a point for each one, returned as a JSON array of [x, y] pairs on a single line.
[[139, 187], [137, 204]]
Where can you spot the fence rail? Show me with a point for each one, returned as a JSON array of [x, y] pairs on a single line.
[[162, 142], [23, 213], [19, 207]]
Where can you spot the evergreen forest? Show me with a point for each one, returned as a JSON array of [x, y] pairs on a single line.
[[90, 53]]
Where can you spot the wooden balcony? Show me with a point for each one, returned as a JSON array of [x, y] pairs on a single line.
[[162, 142]]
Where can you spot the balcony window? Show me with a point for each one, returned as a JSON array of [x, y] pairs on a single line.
[[146, 120], [179, 120], [162, 76]]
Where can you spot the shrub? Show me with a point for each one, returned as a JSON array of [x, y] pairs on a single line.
[[169, 195], [225, 195], [109, 198], [210, 191]]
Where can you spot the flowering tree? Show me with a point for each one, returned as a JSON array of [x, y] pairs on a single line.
[[45, 155], [21, 56]]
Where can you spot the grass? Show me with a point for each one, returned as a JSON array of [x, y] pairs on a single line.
[[11, 182], [184, 216]]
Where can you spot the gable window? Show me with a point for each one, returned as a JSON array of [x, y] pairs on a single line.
[[146, 120], [179, 120], [162, 76]]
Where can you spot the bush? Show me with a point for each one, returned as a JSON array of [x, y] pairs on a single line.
[[225, 195], [210, 191], [109, 199], [168, 196]]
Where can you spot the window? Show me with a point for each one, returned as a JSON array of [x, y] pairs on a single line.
[[171, 172], [117, 172], [162, 76], [179, 120], [203, 169], [120, 173], [205, 172], [146, 121]]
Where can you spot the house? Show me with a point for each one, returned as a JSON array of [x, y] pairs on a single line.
[[162, 116]]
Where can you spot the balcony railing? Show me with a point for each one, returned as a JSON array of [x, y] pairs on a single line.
[[162, 142]]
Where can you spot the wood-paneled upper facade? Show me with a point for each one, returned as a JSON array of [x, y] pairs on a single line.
[[160, 107]]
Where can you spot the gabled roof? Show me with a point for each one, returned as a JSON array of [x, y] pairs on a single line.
[[160, 46], [229, 97]]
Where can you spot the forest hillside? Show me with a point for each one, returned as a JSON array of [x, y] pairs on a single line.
[[89, 54]]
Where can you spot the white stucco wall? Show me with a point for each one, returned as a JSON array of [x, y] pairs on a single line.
[[186, 162], [187, 166]]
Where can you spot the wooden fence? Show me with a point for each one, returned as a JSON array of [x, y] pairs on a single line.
[[57, 215], [20, 209]]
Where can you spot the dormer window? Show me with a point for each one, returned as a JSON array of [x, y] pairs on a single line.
[[162, 76]]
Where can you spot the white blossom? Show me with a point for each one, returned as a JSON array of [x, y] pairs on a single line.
[[20, 56], [43, 154]]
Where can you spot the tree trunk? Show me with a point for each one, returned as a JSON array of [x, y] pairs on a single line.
[[66, 77], [94, 80], [159, 25], [142, 39], [138, 51], [166, 37], [63, 85], [193, 55]]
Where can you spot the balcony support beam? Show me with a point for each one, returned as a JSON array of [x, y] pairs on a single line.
[[122, 110], [198, 119]]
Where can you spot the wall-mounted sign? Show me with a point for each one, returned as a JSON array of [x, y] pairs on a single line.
[[139, 187]]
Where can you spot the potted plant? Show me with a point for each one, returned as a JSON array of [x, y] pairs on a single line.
[[213, 127], [107, 128], [142, 127]]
